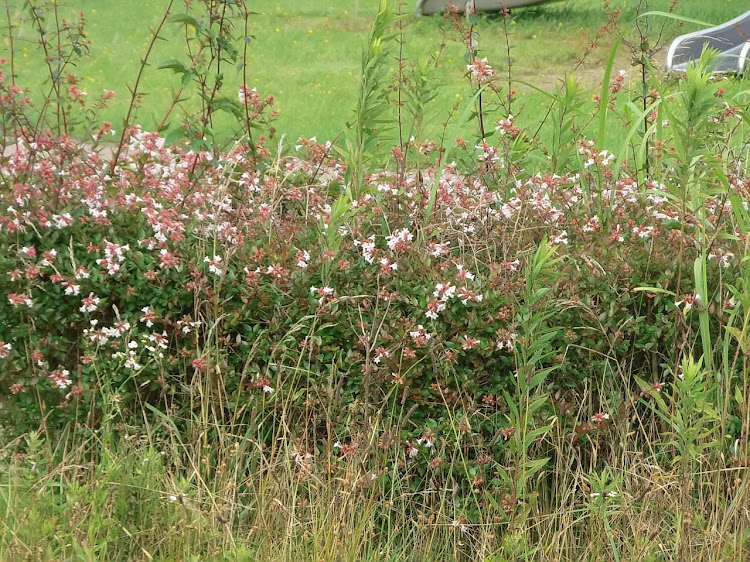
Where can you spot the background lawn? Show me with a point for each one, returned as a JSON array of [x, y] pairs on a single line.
[[307, 54]]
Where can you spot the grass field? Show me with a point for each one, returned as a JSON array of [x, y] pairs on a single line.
[[307, 54]]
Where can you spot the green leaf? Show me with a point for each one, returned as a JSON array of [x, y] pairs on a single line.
[[504, 476], [739, 336], [676, 17], [176, 66], [532, 436], [183, 18], [173, 136], [534, 466], [653, 290], [539, 377]]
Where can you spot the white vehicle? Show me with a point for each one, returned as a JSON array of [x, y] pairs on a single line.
[[427, 7], [731, 39]]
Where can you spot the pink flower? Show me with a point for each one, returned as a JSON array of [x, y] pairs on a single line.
[[470, 343], [90, 303], [600, 417], [5, 349], [437, 250], [481, 71], [380, 354], [399, 240], [61, 378], [434, 308], [688, 301], [159, 339], [345, 448], [61, 221], [724, 258], [616, 235], [115, 255], [49, 257], [81, 273], [387, 267], [302, 259], [463, 274], [467, 295], [324, 293], [489, 152], [506, 126], [29, 251], [592, 225], [148, 316], [76, 93], [275, 271], [643, 232], [19, 299], [166, 259], [248, 96], [420, 336]]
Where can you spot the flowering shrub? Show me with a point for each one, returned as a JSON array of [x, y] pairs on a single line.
[[123, 281]]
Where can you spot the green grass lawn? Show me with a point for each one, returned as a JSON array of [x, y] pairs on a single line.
[[307, 54]]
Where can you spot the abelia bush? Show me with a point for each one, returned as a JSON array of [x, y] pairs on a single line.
[[132, 279], [129, 280]]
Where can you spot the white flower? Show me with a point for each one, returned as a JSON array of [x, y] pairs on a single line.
[[463, 274], [90, 303], [72, 289], [561, 238], [460, 526], [444, 291], [399, 237], [300, 457], [303, 259], [213, 264]]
